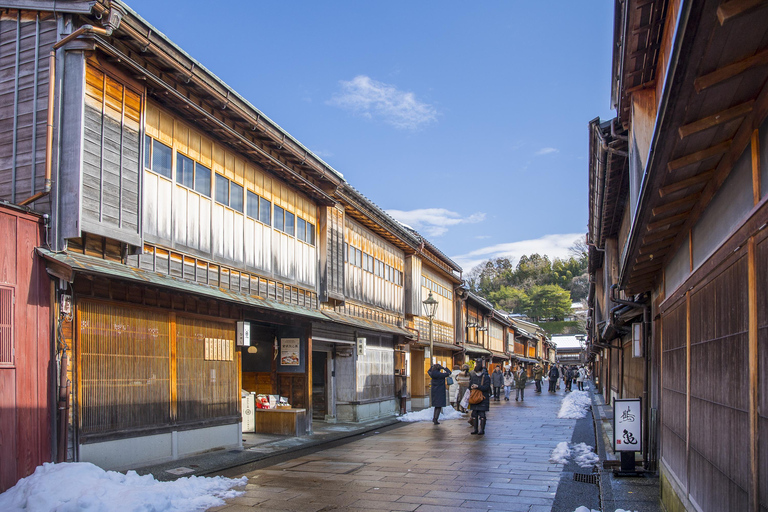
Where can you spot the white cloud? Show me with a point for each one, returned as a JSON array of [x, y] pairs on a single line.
[[369, 98], [547, 151], [554, 246], [434, 222]]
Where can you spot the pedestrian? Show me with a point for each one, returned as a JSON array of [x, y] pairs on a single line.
[[580, 376], [453, 389], [554, 375], [509, 382], [520, 379], [538, 374], [479, 379], [497, 381], [568, 377], [463, 381], [437, 391]]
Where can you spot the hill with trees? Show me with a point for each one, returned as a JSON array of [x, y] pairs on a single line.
[[537, 287]]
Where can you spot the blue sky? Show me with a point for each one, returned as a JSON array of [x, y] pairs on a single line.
[[465, 120]]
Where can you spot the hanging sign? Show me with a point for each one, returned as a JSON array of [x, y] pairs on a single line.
[[627, 425]]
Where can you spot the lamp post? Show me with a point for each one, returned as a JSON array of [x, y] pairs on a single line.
[[430, 308]]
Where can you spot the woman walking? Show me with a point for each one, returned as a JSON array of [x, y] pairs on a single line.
[[453, 389], [437, 392], [462, 379], [479, 379], [497, 381], [509, 382], [580, 376]]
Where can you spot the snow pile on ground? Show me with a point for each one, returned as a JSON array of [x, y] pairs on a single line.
[[574, 405], [448, 413], [584, 456], [560, 454], [82, 486]]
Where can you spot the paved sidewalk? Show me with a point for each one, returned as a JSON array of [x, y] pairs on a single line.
[[258, 447], [427, 467]]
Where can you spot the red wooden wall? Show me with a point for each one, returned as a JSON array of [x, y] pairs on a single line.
[[25, 374]]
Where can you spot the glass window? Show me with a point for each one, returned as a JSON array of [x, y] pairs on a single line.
[[252, 205], [310, 234], [301, 229], [346, 251], [185, 170], [265, 208], [147, 152], [222, 189], [202, 180], [289, 223], [279, 218], [161, 158], [236, 196]]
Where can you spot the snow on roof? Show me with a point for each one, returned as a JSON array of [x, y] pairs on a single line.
[[567, 340]]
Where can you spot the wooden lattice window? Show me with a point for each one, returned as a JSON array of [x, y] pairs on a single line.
[[125, 368], [6, 327]]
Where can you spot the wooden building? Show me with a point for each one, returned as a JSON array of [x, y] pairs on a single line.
[[678, 252], [178, 211], [27, 360]]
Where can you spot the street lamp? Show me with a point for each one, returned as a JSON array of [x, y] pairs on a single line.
[[430, 308]]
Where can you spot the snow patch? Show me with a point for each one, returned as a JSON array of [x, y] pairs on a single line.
[[82, 486], [448, 413], [560, 454], [585, 509], [584, 456], [575, 405]]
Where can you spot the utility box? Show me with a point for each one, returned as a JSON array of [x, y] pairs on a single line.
[[249, 413]]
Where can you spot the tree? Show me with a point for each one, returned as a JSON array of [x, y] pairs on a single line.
[[509, 299], [533, 270], [548, 301]]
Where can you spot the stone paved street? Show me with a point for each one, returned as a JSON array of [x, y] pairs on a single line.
[[426, 467]]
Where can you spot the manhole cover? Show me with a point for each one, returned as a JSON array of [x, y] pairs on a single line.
[[319, 466], [587, 479]]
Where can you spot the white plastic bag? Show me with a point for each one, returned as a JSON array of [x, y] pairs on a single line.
[[465, 400]]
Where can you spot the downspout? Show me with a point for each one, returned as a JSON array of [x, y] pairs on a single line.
[[646, 367], [85, 29]]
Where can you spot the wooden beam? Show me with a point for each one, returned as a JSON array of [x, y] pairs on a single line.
[[687, 201], [730, 71], [734, 8], [652, 248], [755, 167], [699, 179], [699, 156], [753, 386], [655, 237], [653, 226], [724, 116]]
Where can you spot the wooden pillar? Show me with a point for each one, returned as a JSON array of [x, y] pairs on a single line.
[[308, 385], [173, 365], [687, 390]]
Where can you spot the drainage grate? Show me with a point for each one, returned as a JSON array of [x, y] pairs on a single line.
[[587, 479]]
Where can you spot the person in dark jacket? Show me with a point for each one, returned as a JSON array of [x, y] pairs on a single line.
[[554, 374], [437, 392], [479, 379], [497, 381], [521, 377]]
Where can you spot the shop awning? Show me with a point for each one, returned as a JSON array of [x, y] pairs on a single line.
[[65, 265], [366, 324], [499, 355], [475, 349], [525, 359]]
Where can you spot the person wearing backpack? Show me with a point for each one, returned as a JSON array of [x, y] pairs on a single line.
[[554, 374], [480, 380]]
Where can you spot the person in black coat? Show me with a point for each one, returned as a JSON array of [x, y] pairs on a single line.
[[479, 379], [437, 391], [554, 374]]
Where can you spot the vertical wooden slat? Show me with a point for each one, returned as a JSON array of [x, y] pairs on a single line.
[[755, 166], [687, 389], [173, 362], [754, 496]]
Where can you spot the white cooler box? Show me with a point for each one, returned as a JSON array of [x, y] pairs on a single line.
[[249, 411]]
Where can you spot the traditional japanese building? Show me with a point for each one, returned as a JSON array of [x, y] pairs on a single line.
[[678, 253]]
